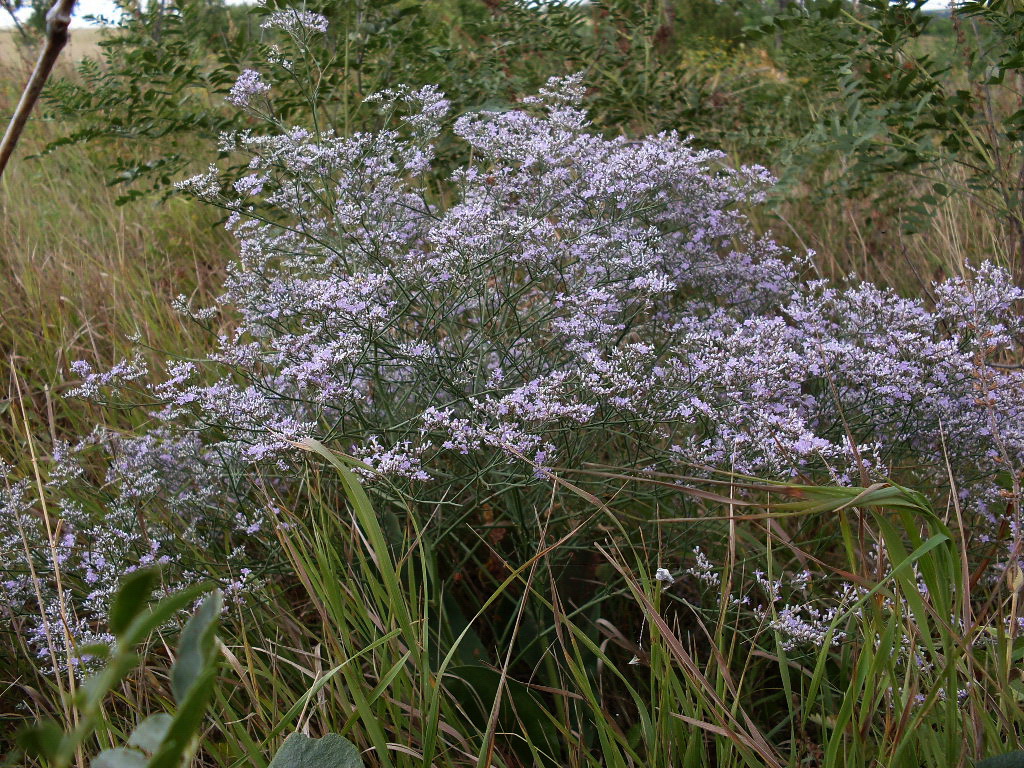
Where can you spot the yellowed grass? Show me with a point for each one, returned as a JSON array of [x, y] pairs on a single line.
[[15, 52], [83, 274], [864, 237]]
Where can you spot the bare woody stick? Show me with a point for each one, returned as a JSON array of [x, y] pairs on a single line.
[[57, 21]]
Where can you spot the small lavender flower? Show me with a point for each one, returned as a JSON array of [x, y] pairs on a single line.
[[806, 626], [704, 569], [249, 85], [296, 22], [123, 373], [205, 186]]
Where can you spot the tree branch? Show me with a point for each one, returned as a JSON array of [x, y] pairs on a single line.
[[57, 35]]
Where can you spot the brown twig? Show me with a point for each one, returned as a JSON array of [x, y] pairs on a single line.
[[57, 35]]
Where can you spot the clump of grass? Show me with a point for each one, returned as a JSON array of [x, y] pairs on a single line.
[[379, 648], [360, 631], [85, 274]]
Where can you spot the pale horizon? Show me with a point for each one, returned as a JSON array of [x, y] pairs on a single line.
[[83, 8]]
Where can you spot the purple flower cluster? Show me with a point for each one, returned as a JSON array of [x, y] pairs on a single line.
[[89, 540], [296, 22], [248, 86], [562, 298], [570, 297]]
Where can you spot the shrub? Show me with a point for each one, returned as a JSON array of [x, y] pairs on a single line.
[[159, 89], [894, 103], [563, 307]]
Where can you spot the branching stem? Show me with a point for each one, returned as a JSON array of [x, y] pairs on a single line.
[[57, 21]]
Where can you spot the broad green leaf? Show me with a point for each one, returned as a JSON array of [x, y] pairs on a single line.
[[119, 758], [150, 733], [43, 739], [95, 687], [186, 723], [196, 647], [332, 751], [93, 651], [160, 614], [131, 598]]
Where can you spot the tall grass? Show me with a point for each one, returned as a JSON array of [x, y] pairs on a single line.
[[388, 659], [864, 236], [371, 641], [83, 273]]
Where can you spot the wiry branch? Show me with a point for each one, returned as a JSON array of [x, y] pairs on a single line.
[[57, 35]]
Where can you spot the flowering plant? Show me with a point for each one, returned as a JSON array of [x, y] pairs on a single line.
[[562, 299], [569, 298]]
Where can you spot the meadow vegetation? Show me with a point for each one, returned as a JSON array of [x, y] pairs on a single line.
[[502, 423]]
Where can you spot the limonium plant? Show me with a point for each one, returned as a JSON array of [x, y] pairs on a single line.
[[563, 298]]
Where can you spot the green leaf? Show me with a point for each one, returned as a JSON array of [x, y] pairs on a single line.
[[196, 649], [93, 651], [42, 740], [96, 686], [150, 733], [119, 758], [186, 723], [162, 612], [332, 751], [192, 680], [131, 598], [1009, 760]]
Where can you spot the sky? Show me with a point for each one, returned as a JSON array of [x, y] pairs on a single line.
[[94, 8], [82, 8]]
